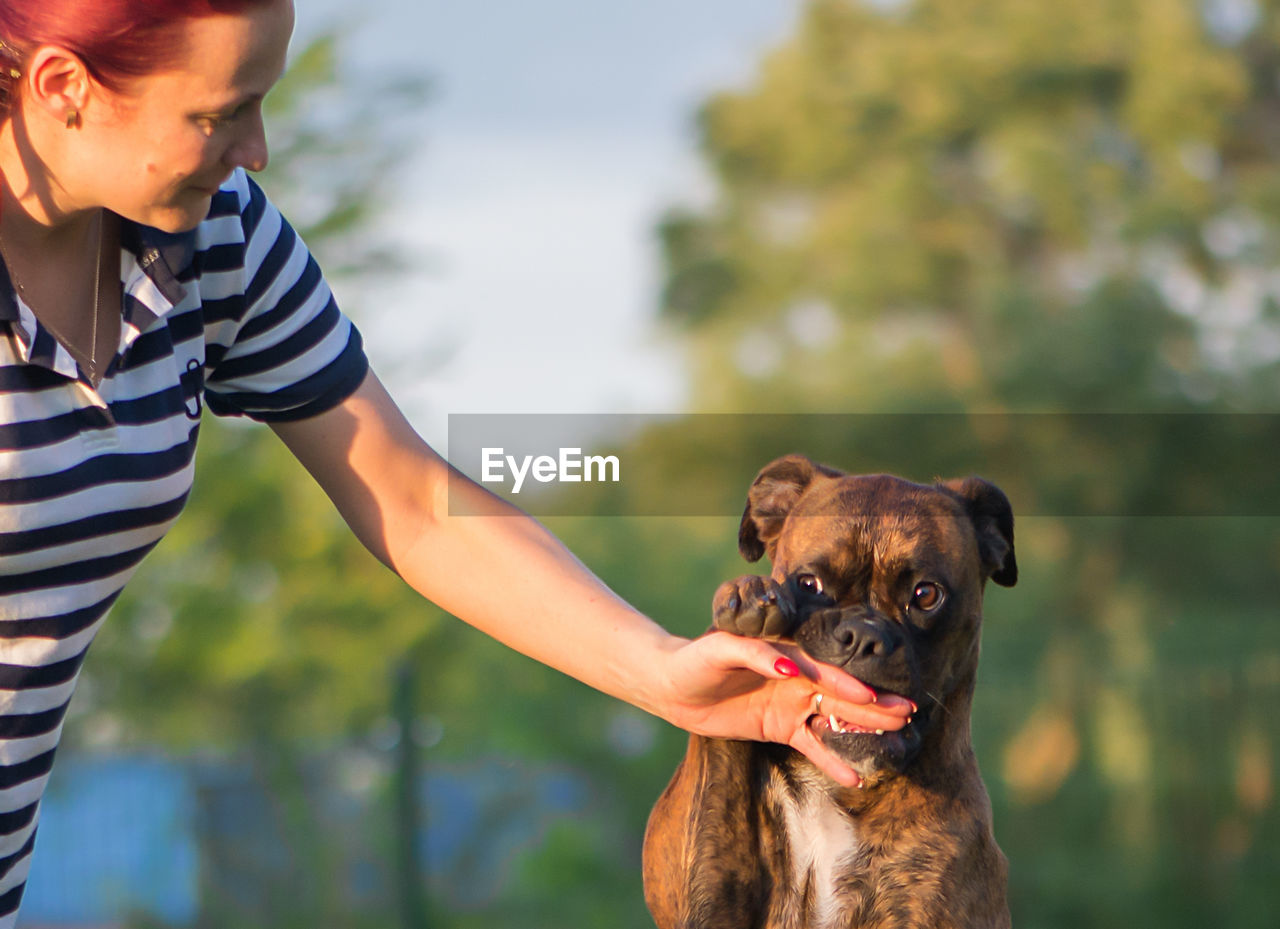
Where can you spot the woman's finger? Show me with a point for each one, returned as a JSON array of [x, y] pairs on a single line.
[[776, 660], [849, 699], [844, 686], [809, 745], [762, 657]]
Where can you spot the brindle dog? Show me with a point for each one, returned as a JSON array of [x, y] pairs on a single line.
[[883, 578]]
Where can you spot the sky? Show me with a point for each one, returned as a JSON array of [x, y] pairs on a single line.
[[557, 134]]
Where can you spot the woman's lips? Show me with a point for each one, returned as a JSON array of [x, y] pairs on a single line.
[[209, 189]]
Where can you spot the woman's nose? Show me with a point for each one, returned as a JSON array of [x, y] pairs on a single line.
[[250, 149]]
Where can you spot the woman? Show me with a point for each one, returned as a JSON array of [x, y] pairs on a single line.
[[145, 275]]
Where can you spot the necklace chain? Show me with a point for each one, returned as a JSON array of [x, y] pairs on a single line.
[[92, 360]]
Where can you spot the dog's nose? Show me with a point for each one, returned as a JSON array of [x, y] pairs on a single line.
[[864, 637]]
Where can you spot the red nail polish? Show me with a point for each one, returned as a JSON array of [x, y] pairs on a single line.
[[786, 667]]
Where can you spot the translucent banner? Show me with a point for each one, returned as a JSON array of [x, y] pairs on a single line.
[[1064, 464]]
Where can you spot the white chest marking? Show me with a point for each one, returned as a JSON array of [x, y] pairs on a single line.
[[822, 841]]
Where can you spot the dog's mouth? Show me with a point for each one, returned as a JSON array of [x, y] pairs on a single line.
[[821, 725], [873, 753]]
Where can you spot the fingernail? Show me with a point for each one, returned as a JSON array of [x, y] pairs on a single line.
[[786, 667]]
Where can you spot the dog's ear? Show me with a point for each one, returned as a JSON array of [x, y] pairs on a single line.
[[772, 495], [992, 517]]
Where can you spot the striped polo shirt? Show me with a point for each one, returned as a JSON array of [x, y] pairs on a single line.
[[233, 315]]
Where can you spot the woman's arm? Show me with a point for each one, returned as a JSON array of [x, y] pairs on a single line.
[[501, 571]]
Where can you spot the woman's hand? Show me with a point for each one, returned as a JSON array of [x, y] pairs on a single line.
[[734, 687]]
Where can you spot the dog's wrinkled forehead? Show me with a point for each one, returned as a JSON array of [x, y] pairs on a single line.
[[795, 502], [853, 523]]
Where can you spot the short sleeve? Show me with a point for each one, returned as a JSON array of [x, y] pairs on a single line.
[[293, 354]]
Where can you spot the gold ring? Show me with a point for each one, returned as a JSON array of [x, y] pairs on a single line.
[[817, 705]]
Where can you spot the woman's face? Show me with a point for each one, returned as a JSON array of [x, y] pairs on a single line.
[[157, 151]]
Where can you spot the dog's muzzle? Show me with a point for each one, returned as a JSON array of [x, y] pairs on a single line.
[[877, 651], [867, 644]]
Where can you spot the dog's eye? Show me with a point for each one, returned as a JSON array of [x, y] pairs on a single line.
[[809, 583], [927, 596]]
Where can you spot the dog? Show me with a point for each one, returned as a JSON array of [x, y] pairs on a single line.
[[884, 578]]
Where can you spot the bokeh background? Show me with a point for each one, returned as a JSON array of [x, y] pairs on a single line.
[[959, 208]]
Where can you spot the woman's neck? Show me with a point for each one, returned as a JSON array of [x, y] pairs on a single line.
[[36, 210]]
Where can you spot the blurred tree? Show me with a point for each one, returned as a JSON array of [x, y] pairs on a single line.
[[932, 206], [1067, 207]]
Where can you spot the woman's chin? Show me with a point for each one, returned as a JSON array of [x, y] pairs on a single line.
[[183, 215]]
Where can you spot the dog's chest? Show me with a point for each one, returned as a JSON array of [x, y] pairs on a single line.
[[822, 843]]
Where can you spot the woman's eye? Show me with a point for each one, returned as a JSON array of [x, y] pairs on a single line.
[[211, 121], [927, 596], [809, 583]]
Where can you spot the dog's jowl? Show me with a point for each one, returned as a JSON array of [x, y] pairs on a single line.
[[884, 578]]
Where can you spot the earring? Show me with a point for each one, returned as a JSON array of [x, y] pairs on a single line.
[[73, 118]]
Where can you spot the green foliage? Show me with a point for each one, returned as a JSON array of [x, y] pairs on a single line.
[[1000, 179]]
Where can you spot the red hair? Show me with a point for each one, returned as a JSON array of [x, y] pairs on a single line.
[[116, 39]]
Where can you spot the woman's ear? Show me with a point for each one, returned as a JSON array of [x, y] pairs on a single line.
[[57, 83]]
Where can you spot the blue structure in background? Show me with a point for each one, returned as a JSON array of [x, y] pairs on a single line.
[[138, 834], [115, 837], [481, 818]]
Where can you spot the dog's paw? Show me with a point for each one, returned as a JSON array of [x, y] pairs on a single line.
[[755, 606]]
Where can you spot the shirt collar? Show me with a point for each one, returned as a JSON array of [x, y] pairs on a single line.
[[162, 256], [152, 288], [8, 299]]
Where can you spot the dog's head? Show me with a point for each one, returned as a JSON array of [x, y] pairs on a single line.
[[887, 578]]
